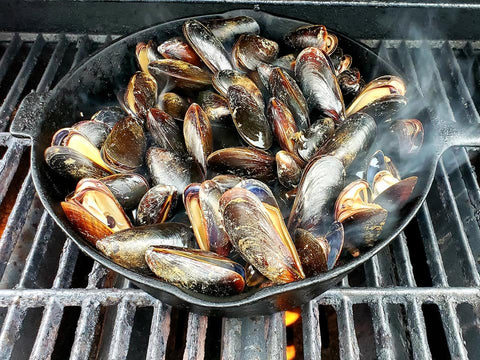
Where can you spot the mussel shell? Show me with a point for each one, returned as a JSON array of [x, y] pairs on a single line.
[[141, 94], [71, 163], [191, 202], [224, 79], [146, 53], [127, 247], [284, 126], [264, 71], [319, 83], [375, 165], [352, 138], [253, 277], [209, 197], [156, 205], [309, 35], [385, 108], [206, 45], [225, 182], [214, 105], [260, 190], [249, 118], [286, 62], [409, 133], [125, 146], [322, 181], [128, 189], [335, 237], [309, 141], [394, 198], [313, 252], [177, 48], [285, 88], [165, 131], [255, 237], [197, 270], [197, 133], [250, 50], [244, 162], [188, 75], [169, 168], [173, 104], [289, 169], [109, 115], [227, 30], [95, 131]]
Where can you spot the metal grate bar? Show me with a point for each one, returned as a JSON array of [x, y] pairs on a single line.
[[276, 336], [85, 333], [122, 330], [11, 330], [19, 84], [402, 261], [196, 334], [82, 50], [66, 265], [159, 331], [312, 340], [453, 331], [346, 335], [15, 222], [97, 276], [9, 164], [231, 339], [382, 330], [418, 331], [9, 55], [53, 64], [48, 331]]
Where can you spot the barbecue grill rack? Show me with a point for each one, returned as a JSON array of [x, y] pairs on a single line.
[[418, 298]]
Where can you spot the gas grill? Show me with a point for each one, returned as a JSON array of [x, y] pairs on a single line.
[[419, 298]]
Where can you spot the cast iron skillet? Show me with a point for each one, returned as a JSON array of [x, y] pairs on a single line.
[[94, 84]]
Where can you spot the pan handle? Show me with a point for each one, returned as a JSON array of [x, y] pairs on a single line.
[[460, 135], [29, 115]]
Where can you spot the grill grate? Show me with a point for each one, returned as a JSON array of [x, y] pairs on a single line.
[[426, 280]]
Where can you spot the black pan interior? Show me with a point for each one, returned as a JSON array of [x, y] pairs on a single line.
[[95, 83]]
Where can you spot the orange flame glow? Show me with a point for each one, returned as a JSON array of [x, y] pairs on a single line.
[[291, 317], [291, 352]]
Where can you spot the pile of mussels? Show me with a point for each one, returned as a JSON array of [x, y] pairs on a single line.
[[335, 190]]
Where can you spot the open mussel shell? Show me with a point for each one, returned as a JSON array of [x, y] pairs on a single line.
[[71, 163], [127, 248], [409, 133], [319, 84], [206, 45], [141, 94], [109, 115], [173, 104], [196, 270], [351, 83], [321, 182], [165, 131], [313, 252], [391, 193], [169, 168], [214, 105], [376, 164], [344, 64], [125, 146], [93, 210], [375, 91], [191, 201], [289, 169], [284, 126], [156, 205], [253, 277], [227, 30], [352, 138], [146, 53], [258, 233], [93, 130], [362, 220], [335, 237], [285, 88], [178, 49], [286, 62], [243, 161], [188, 76], [197, 133], [226, 78], [306, 36], [249, 118], [128, 189], [250, 50], [309, 141]]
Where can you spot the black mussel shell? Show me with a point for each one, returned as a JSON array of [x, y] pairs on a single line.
[[95, 131], [156, 205], [250, 50], [186, 75], [283, 123], [165, 131], [309, 35], [309, 141], [215, 106], [173, 104], [128, 189], [227, 30], [289, 169], [178, 49], [109, 115], [313, 252], [141, 94]]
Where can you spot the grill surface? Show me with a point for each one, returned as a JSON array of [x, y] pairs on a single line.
[[418, 298]]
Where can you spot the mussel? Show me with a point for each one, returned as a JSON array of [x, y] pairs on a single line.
[[214, 105], [156, 205], [141, 94], [250, 50], [319, 84], [165, 131], [125, 146], [257, 231], [93, 130], [227, 30], [284, 126], [128, 189], [197, 133], [351, 83], [186, 75], [93, 210], [146, 53], [127, 248], [306, 36], [176, 48], [109, 115], [173, 104], [249, 118], [289, 168], [244, 162], [409, 134], [207, 46], [309, 141]]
